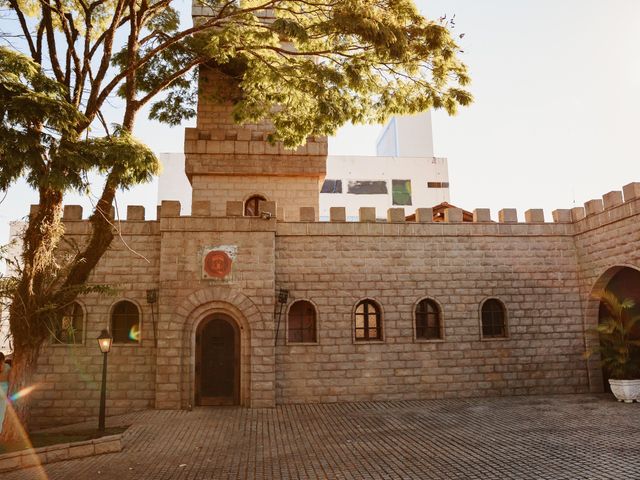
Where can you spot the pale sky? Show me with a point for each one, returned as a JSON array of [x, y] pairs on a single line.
[[555, 119]]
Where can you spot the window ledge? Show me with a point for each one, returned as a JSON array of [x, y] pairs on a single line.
[[429, 340], [493, 339], [299, 344], [367, 342]]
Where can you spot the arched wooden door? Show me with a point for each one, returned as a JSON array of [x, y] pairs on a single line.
[[218, 361]]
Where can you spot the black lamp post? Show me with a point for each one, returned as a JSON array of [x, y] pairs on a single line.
[[104, 342], [283, 296]]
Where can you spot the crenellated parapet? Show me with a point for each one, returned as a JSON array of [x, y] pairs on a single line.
[[133, 223], [245, 150], [200, 219], [611, 207]]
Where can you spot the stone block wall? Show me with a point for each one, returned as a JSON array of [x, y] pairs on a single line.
[[225, 161], [68, 377], [607, 238], [544, 273], [288, 192], [186, 299], [532, 270]]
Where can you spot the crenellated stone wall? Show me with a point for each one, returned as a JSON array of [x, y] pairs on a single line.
[[530, 267], [544, 273], [69, 376], [607, 239]]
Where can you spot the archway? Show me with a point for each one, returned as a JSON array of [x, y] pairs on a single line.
[[198, 307], [217, 361], [624, 283]]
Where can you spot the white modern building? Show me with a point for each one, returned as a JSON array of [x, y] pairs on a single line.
[[173, 183], [404, 173], [383, 182], [407, 136], [12, 255]]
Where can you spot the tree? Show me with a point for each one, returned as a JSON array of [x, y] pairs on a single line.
[[306, 66], [618, 342]]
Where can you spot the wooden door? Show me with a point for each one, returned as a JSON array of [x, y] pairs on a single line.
[[217, 362]]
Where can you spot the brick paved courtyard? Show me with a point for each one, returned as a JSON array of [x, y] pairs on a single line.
[[557, 437]]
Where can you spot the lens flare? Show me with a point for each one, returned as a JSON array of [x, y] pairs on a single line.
[[134, 333], [13, 424], [22, 393]]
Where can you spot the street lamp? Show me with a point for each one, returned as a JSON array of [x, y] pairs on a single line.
[[104, 342]]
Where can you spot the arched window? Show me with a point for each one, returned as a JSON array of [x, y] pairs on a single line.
[[494, 323], [428, 320], [302, 322], [368, 321], [125, 322], [252, 205], [69, 329]]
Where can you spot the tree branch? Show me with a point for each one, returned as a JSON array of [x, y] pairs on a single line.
[[51, 41], [169, 80], [25, 29], [95, 102]]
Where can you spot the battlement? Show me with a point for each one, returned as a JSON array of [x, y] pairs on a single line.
[[613, 206], [246, 151], [591, 208], [74, 213], [219, 146], [247, 140]]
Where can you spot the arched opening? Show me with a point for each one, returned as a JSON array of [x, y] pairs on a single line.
[[368, 321], [69, 329], [428, 320], [301, 320], [217, 361], [624, 284], [493, 317], [125, 322], [252, 205]]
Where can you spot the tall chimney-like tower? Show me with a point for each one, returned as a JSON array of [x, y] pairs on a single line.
[[229, 162]]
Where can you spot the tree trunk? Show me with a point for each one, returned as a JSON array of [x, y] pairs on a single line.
[[29, 329], [99, 242], [16, 419]]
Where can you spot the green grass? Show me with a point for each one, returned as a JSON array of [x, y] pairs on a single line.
[[47, 439]]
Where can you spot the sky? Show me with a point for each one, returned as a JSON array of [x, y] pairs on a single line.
[[555, 119]]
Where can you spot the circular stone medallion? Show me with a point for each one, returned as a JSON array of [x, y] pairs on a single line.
[[217, 264]]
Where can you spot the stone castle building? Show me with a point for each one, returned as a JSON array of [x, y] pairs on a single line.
[[252, 301]]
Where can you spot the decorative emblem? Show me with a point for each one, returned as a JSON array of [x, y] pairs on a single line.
[[217, 262]]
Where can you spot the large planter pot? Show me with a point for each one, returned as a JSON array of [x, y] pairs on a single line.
[[626, 390]]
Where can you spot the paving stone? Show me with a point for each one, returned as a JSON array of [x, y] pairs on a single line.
[[542, 437]]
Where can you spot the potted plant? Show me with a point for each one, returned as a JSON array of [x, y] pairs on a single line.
[[619, 346]]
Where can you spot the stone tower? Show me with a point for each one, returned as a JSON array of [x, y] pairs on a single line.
[[229, 162]]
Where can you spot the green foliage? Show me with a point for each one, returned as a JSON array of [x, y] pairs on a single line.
[[175, 107], [34, 115], [365, 61], [310, 67], [619, 349], [130, 161], [53, 299], [38, 136]]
